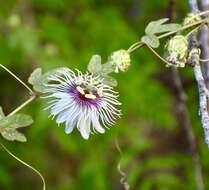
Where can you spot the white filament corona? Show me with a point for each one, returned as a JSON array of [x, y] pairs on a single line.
[[82, 100]]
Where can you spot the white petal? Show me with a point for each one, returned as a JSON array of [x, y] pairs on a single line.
[[62, 117], [61, 95], [96, 124], [60, 106], [84, 127], [70, 126]]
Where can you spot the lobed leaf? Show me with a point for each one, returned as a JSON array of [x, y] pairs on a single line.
[[95, 64], [158, 26], [151, 27], [12, 135], [39, 80], [109, 80], [35, 79], [107, 68], [10, 124], [151, 40], [16, 121], [168, 28]]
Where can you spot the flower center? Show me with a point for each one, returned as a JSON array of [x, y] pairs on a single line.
[[86, 93]]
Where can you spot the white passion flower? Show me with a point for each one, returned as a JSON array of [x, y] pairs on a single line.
[[82, 100]]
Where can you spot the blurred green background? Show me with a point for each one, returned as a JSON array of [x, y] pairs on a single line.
[[56, 33]]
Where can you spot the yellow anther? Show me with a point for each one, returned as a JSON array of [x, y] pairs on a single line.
[[90, 96], [100, 91], [79, 89]]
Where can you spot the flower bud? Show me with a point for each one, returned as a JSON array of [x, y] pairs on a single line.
[[177, 50], [120, 60]]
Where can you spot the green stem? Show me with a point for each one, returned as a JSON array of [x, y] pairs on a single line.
[[27, 165], [139, 44], [17, 78], [192, 31], [181, 29], [23, 105], [157, 55], [131, 48]]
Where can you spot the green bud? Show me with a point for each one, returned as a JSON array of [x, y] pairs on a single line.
[[177, 51], [120, 60], [191, 19]]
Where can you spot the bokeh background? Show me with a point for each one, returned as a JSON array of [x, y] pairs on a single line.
[[155, 150]]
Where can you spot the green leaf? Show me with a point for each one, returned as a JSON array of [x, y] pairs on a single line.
[[35, 79], [107, 68], [158, 26], [168, 28], [38, 80], [16, 121], [10, 124], [12, 135], [109, 80], [154, 25], [35, 76], [151, 40], [95, 64]]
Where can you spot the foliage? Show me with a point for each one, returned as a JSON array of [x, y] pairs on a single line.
[[10, 124], [157, 27], [54, 34]]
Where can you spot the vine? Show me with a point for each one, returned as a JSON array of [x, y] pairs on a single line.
[[93, 102]]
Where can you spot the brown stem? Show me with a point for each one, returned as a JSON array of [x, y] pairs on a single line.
[[204, 44], [202, 95], [182, 110]]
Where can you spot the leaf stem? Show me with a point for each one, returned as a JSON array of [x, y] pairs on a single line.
[[23, 105], [17, 78]]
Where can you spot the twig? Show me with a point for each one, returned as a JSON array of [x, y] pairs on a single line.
[[204, 40], [195, 59], [203, 97], [183, 111]]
